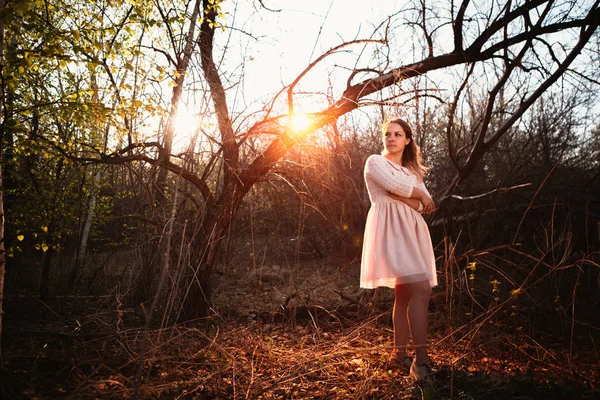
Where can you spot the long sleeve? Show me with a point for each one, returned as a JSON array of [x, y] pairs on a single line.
[[388, 177], [421, 186]]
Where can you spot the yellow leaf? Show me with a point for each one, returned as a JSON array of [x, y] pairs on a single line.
[[45, 229], [20, 238], [44, 247]]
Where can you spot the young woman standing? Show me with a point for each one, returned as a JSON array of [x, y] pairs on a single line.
[[397, 249]]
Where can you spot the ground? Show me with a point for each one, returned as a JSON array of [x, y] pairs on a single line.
[[278, 332]]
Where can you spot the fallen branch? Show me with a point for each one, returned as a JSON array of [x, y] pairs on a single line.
[[497, 190]]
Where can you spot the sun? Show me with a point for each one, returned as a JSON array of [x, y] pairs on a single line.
[[299, 123], [185, 124]]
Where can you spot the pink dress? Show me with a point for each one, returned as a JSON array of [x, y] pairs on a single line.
[[397, 246]]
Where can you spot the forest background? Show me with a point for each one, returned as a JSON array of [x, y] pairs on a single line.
[[183, 202]]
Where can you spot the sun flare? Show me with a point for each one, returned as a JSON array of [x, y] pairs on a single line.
[[185, 124], [299, 122]]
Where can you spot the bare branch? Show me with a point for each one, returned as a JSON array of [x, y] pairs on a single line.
[[582, 76], [133, 146], [497, 190], [418, 93], [360, 70], [584, 37], [169, 58], [423, 26], [168, 26], [267, 8], [452, 113], [458, 26], [500, 23], [485, 124], [541, 30], [169, 165], [318, 60]]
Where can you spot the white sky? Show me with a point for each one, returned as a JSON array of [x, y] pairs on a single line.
[[282, 44], [303, 30], [269, 49]]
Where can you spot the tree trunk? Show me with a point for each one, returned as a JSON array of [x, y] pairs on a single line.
[[216, 222], [2, 253], [183, 62], [151, 266], [49, 253], [85, 234]]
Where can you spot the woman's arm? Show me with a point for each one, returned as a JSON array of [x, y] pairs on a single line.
[[394, 181], [412, 203], [423, 196]]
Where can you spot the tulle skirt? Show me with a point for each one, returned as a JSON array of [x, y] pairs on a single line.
[[397, 247]]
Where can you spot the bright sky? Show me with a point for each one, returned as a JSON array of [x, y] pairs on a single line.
[[277, 46], [267, 50], [304, 30], [287, 41]]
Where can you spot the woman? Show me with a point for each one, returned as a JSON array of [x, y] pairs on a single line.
[[397, 250]]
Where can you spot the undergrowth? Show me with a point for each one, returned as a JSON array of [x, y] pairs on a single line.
[[283, 338]]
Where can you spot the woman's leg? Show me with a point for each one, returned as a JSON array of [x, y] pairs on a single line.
[[418, 310], [400, 319]]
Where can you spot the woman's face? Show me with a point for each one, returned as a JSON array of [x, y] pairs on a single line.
[[394, 139]]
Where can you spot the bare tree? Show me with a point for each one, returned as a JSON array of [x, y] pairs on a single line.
[[507, 40]]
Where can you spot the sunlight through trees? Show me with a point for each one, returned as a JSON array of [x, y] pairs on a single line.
[[152, 149]]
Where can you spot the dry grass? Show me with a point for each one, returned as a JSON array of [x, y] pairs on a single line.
[[252, 360], [282, 333]]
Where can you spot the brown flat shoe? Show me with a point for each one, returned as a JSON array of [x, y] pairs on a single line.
[[402, 363], [420, 371]]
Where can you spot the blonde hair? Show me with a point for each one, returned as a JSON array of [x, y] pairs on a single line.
[[411, 156]]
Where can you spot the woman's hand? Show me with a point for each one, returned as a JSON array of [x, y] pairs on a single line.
[[412, 203], [428, 205], [423, 197], [419, 197]]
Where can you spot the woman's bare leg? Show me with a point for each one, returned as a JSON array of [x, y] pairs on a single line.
[[418, 310], [400, 319]]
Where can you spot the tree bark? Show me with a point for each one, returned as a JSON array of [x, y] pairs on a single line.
[[215, 224], [219, 214], [2, 250]]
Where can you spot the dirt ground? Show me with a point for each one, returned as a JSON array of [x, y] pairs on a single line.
[[278, 331]]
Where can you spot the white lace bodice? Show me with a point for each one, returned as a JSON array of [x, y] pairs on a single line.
[[383, 176]]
